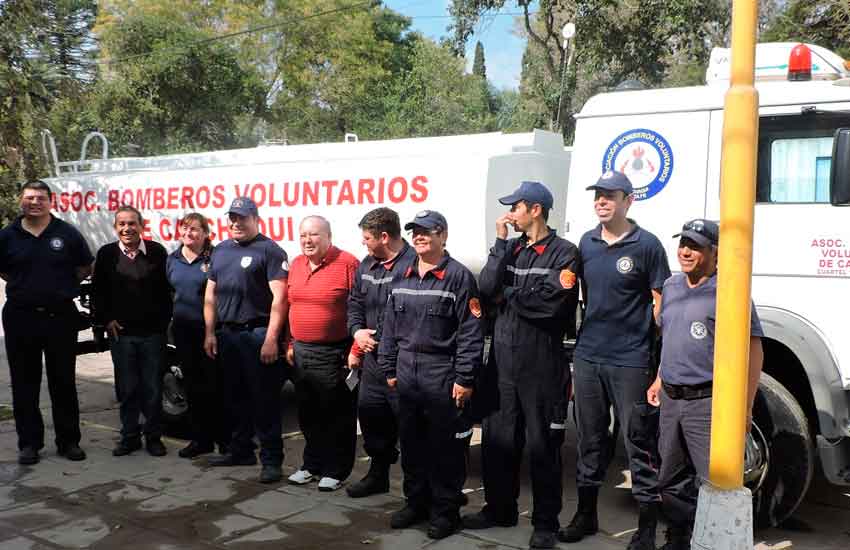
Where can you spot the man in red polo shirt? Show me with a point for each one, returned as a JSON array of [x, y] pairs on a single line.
[[319, 282]]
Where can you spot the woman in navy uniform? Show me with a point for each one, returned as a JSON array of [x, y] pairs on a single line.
[[430, 351]]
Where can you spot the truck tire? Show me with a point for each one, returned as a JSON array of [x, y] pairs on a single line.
[[175, 407], [786, 452]]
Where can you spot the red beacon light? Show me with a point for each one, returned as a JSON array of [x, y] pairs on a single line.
[[800, 63]]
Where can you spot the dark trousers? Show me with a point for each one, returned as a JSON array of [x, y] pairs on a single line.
[[377, 408], [684, 442], [29, 335], [531, 410], [252, 394], [597, 387], [433, 434], [202, 380], [327, 411], [139, 362]]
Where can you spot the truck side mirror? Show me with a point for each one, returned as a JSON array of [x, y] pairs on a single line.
[[839, 174]]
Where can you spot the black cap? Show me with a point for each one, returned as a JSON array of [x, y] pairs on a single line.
[[701, 231], [243, 206], [429, 219], [532, 192], [613, 181]]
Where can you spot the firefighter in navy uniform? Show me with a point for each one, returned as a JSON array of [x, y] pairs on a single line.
[[377, 408], [533, 283], [430, 351]]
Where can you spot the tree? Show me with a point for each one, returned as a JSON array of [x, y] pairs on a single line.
[[478, 66], [822, 22]]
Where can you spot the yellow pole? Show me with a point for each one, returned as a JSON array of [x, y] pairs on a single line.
[[735, 263]]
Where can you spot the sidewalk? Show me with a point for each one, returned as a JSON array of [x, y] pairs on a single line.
[[141, 502]]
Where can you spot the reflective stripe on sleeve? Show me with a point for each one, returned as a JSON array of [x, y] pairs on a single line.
[[415, 292], [529, 271]]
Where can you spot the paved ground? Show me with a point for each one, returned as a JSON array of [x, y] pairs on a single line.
[[143, 503]]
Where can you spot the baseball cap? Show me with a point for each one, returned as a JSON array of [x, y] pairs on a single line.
[[429, 219], [613, 181], [701, 231], [532, 192], [243, 206]]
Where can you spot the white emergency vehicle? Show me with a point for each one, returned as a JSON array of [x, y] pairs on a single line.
[[669, 143]]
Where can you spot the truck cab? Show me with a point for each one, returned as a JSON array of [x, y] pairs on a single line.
[[668, 141]]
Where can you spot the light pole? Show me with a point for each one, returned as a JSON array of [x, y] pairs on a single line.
[[567, 32]]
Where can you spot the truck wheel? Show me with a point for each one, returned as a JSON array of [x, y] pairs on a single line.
[[175, 407], [780, 454]]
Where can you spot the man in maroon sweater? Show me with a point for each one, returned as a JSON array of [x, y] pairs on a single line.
[[319, 283]]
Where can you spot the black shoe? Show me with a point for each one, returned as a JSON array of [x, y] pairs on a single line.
[[441, 528], [407, 516], [71, 452], [155, 447], [270, 474], [482, 520], [644, 537], [372, 484], [230, 460], [126, 446], [677, 538], [194, 449], [28, 456], [541, 538], [585, 521]]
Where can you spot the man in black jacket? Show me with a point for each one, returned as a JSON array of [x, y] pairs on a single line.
[[133, 300]]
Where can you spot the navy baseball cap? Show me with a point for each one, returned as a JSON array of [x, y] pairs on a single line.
[[243, 206], [429, 219], [701, 231], [613, 181], [532, 192]]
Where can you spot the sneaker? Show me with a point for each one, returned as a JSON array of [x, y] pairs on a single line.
[[71, 452], [155, 446], [270, 474], [194, 449], [407, 516], [126, 446], [230, 460], [328, 484], [542, 538], [28, 456], [301, 477]]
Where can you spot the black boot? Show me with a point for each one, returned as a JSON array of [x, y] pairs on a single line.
[[376, 481], [585, 522], [678, 538], [644, 537]]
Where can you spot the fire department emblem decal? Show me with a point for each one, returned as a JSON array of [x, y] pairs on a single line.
[[698, 330], [643, 155], [625, 265], [246, 261], [57, 244], [284, 265]]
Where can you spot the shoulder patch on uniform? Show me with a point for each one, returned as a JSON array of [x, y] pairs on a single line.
[[284, 265], [475, 307], [567, 278]]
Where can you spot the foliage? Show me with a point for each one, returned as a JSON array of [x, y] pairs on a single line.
[[822, 22], [479, 67]]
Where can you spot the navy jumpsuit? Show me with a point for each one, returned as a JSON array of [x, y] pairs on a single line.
[[433, 338]]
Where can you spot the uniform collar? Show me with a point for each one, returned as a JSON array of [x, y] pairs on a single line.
[[539, 247], [388, 264], [631, 237], [439, 272], [178, 255], [19, 225], [141, 248]]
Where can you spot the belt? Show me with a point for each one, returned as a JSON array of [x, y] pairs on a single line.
[[247, 325], [687, 392], [60, 307]]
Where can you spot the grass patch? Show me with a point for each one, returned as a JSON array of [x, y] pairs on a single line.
[[5, 412]]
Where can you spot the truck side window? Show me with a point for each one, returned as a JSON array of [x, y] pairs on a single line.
[[795, 155]]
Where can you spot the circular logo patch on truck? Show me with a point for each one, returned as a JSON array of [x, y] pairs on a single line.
[[645, 157]]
